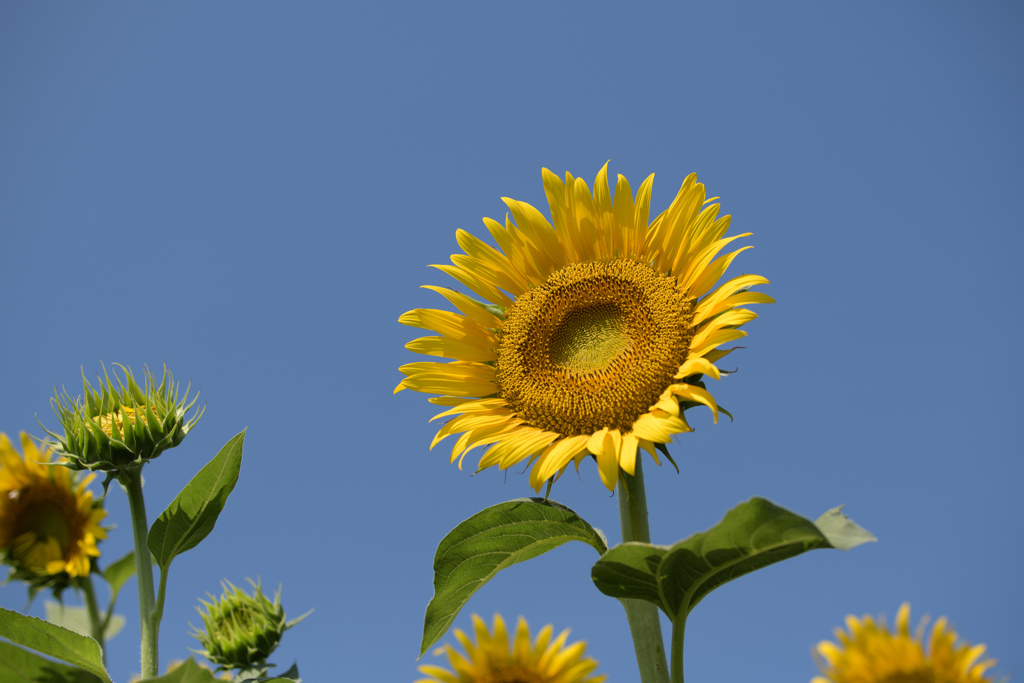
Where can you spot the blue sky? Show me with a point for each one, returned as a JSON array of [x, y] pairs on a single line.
[[251, 193]]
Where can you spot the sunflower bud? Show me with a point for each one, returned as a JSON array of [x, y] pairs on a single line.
[[242, 630], [120, 426]]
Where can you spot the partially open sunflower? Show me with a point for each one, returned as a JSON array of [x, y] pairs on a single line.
[[593, 334]]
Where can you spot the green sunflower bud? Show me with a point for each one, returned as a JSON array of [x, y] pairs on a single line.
[[242, 630], [118, 427]]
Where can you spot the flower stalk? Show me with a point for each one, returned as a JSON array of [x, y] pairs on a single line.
[[131, 481], [96, 623], [643, 618]]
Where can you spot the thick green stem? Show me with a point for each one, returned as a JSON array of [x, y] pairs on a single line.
[[96, 623], [131, 482], [643, 617]]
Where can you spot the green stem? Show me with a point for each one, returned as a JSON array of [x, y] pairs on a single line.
[[643, 617], [678, 631], [96, 624], [131, 482]]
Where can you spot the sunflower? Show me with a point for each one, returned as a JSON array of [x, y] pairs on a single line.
[[491, 661], [593, 335], [48, 524], [870, 653]]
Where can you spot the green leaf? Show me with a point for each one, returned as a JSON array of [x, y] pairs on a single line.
[[752, 535], [190, 517], [491, 540], [119, 572], [21, 666], [77, 619], [188, 672], [841, 531], [289, 676], [52, 640]]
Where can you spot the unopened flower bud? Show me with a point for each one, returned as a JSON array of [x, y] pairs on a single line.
[[241, 630]]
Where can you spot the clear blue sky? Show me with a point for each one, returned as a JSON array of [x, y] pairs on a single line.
[[251, 193]]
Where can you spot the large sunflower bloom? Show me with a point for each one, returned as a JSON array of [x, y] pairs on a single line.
[[596, 331], [490, 660], [48, 523], [870, 653]]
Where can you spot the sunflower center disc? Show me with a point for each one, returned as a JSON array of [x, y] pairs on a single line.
[[590, 338], [48, 521], [593, 346], [48, 512]]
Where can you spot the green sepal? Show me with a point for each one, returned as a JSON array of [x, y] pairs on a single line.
[[752, 535], [493, 539], [663, 449], [18, 665], [494, 309], [192, 514], [54, 641]]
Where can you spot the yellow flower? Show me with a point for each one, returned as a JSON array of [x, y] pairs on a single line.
[[48, 524], [491, 661], [596, 333], [870, 653]]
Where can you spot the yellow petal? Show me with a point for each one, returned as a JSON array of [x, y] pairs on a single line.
[[608, 456], [556, 457], [699, 365], [469, 307], [627, 454], [689, 392], [704, 342], [450, 348]]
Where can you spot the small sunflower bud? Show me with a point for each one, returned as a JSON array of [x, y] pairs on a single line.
[[242, 630], [121, 426]]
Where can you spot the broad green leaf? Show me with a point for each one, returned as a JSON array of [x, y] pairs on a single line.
[[188, 672], [491, 540], [190, 517], [751, 536], [120, 571], [54, 641], [77, 619], [22, 666]]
